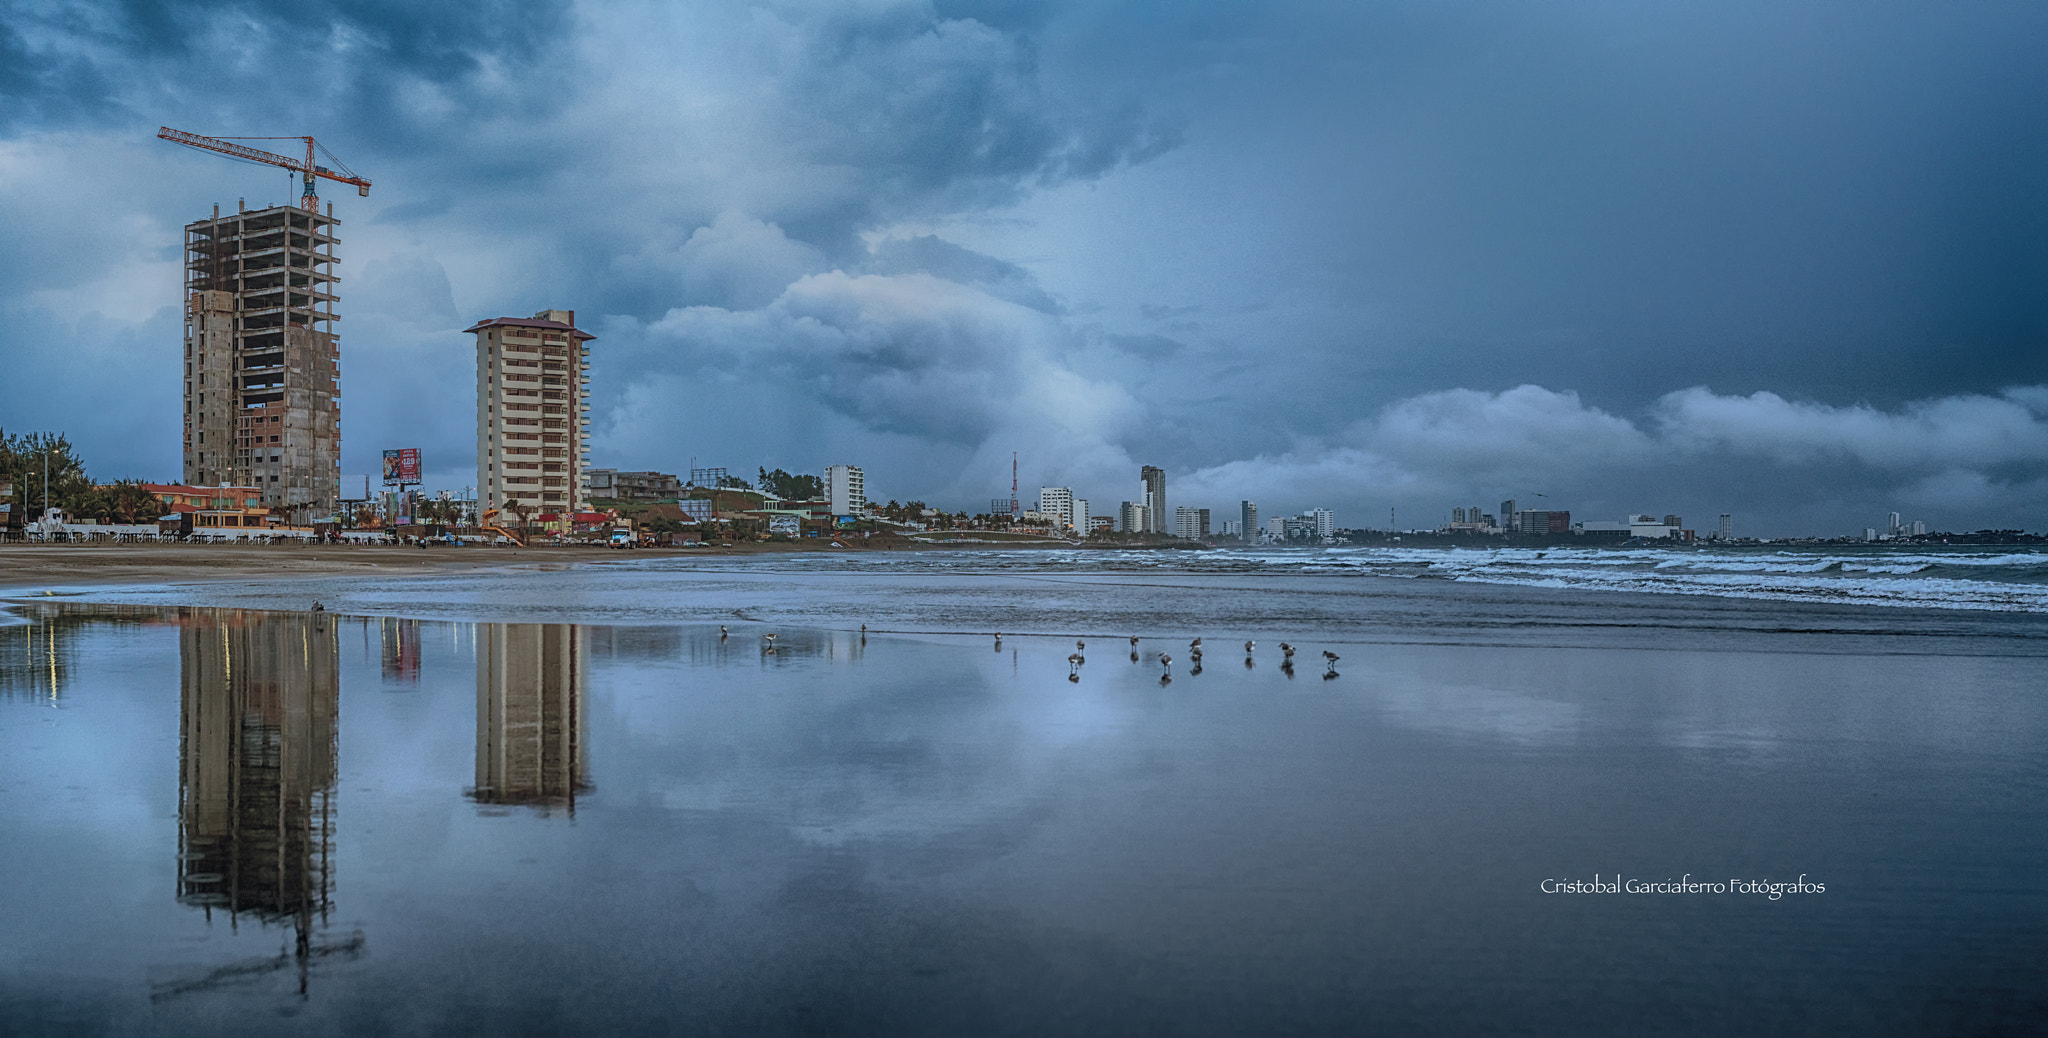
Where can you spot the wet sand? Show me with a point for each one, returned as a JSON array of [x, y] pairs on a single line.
[[31, 568]]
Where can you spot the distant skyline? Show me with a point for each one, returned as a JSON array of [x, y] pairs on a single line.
[[1783, 261]]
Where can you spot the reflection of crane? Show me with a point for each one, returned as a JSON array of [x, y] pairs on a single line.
[[308, 198]]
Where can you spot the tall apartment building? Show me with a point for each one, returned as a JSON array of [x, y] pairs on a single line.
[[1154, 478], [1079, 518], [847, 488], [1325, 524], [1057, 504], [262, 362], [1132, 517], [532, 412], [1247, 518], [1727, 530], [1190, 523]]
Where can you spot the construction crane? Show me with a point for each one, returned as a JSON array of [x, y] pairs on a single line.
[[309, 200]]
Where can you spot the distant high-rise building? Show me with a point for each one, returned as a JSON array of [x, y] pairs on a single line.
[[1457, 515], [1919, 528], [532, 410], [1673, 521], [1154, 479], [1247, 518], [847, 488], [1325, 523], [1276, 528], [1079, 518], [1507, 514], [1132, 517], [262, 368], [1057, 504], [1727, 531], [1233, 528], [1190, 523], [1892, 522]]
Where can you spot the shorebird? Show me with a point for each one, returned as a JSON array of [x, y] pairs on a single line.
[[1287, 650], [863, 628], [1330, 657], [317, 607], [723, 633], [1079, 644], [1134, 641], [1196, 644], [1248, 647], [1166, 661], [1074, 661], [769, 638]]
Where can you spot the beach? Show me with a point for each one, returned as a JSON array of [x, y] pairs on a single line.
[[556, 796]]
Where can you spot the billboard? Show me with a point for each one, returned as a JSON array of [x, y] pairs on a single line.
[[402, 466], [355, 488]]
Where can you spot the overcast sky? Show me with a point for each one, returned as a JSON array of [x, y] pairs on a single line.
[[1788, 261]]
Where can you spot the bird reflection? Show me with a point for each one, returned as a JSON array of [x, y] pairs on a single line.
[[1287, 667], [530, 715]]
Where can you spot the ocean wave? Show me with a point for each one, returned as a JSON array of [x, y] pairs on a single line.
[[1961, 579]]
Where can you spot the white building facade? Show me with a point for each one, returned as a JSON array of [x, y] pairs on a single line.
[[847, 488]]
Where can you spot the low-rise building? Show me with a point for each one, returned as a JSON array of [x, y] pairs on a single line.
[[634, 487]]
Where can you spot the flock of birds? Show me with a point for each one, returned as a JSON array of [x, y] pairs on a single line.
[[1075, 660]]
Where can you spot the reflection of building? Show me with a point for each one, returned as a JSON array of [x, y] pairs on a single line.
[[260, 693], [529, 714], [36, 655], [400, 640]]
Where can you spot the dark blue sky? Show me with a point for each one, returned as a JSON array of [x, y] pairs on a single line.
[[1784, 260]]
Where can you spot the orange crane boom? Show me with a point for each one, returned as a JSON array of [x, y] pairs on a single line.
[[308, 199]]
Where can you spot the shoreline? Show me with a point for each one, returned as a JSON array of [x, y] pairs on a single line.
[[34, 567]]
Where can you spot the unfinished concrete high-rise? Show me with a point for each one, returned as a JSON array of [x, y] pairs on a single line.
[[532, 410], [262, 362]]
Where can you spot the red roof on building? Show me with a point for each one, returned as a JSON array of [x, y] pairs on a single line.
[[528, 322]]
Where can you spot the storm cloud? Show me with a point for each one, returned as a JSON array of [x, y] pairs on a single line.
[[1777, 259]]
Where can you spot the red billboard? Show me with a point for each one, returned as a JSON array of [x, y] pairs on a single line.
[[402, 466]]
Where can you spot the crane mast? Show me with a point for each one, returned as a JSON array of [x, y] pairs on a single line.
[[309, 199]]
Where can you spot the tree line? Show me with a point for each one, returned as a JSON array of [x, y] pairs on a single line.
[[23, 460]]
